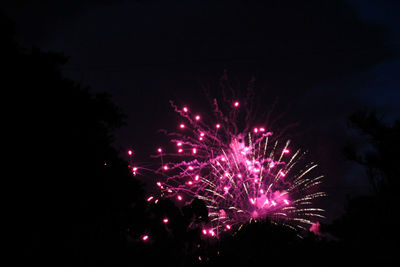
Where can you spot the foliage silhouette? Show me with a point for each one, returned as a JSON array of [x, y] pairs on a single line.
[[368, 228], [70, 193]]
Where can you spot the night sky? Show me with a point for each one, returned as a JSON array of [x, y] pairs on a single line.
[[322, 59]]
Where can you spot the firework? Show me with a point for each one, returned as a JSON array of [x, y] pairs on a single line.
[[241, 176]]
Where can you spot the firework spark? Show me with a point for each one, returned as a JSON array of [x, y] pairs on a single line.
[[241, 176]]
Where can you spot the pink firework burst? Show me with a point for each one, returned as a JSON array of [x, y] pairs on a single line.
[[240, 175]]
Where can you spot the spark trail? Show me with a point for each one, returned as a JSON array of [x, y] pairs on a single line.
[[241, 176]]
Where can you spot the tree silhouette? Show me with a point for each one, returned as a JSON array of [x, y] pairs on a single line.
[[70, 195], [368, 230], [381, 157]]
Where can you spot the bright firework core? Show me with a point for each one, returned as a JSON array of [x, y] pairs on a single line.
[[241, 177]]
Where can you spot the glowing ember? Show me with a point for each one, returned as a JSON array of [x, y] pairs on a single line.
[[315, 228], [134, 170], [211, 232]]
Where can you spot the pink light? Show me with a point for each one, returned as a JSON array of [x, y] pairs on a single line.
[[226, 189], [272, 164], [218, 125], [182, 126], [180, 150], [190, 183], [165, 220], [286, 202], [194, 150], [197, 117], [281, 173], [130, 152], [261, 191], [204, 231], [201, 134], [239, 175], [228, 227], [145, 237], [159, 150], [179, 144], [262, 129], [252, 200], [285, 151], [255, 130], [212, 233], [165, 167], [150, 198], [158, 184], [196, 177], [179, 197], [315, 228], [190, 168], [273, 203], [201, 138], [185, 109], [134, 169], [236, 104]]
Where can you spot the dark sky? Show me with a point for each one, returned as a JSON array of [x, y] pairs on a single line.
[[323, 59]]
